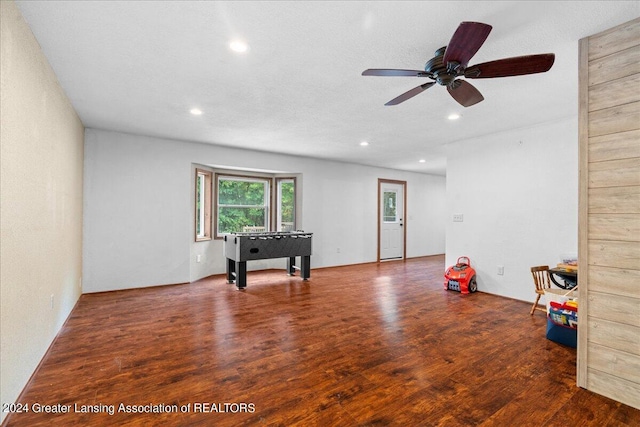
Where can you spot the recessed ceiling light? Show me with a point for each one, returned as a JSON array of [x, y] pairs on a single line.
[[238, 46], [453, 116], [196, 111], [422, 160], [364, 143]]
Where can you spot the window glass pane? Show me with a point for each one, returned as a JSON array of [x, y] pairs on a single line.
[[203, 205], [389, 204], [199, 206], [242, 192], [286, 203], [239, 219]]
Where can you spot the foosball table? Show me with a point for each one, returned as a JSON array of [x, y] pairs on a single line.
[[242, 247]]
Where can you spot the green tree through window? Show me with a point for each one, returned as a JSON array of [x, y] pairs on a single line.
[[203, 204], [286, 204], [242, 202]]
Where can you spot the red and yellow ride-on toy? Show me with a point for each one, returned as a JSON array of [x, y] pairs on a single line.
[[461, 277]]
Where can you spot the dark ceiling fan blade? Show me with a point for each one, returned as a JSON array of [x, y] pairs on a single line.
[[516, 66], [392, 73], [465, 42], [410, 94], [465, 93]]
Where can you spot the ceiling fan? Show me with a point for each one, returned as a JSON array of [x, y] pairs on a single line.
[[450, 62]]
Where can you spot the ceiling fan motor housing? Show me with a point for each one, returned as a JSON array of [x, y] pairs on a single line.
[[442, 73]]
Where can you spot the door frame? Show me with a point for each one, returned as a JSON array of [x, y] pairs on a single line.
[[382, 181]]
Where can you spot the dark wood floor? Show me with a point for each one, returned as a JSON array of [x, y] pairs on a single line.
[[368, 345]]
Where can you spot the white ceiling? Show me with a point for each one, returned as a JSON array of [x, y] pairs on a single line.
[[140, 66]]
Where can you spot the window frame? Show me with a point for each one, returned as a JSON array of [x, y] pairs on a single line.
[[203, 214], [277, 202], [274, 208], [267, 179]]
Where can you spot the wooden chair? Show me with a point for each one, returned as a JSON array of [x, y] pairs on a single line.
[[542, 281]]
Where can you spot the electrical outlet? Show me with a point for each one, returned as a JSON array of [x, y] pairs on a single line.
[[52, 301], [501, 270], [198, 258], [338, 250], [458, 218]]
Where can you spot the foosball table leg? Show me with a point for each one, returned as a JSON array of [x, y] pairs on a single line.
[[305, 267], [241, 274], [291, 266], [231, 268]]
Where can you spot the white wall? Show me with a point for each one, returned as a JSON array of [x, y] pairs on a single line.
[[518, 193], [138, 210], [41, 141]]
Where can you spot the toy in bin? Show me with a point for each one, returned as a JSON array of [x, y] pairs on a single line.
[[461, 277]]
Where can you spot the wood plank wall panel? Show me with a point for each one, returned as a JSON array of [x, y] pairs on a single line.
[[623, 172], [614, 254], [620, 363], [609, 214], [615, 66], [617, 308], [614, 40], [615, 146], [613, 336], [618, 281], [614, 227], [614, 119], [603, 383], [614, 200], [611, 94]]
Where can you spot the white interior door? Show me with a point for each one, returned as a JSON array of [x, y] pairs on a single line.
[[391, 221]]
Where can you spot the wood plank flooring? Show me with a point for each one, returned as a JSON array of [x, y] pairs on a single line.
[[366, 345]]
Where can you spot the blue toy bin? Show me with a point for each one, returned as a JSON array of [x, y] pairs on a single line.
[[562, 325], [562, 334]]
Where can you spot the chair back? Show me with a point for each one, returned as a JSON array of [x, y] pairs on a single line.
[[541, 277]]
